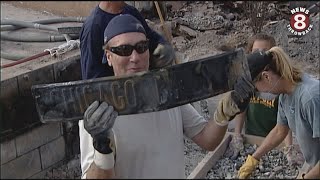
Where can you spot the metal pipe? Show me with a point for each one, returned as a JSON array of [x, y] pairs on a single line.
[[12, 56], [36, 38], [28, 25], [45, 21], [26, 59]]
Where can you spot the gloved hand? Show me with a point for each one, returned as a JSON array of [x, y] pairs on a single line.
[[293, 154], [248, 167], [98, 122], [234, 102], [257, 61], [236, 145], [162, 56]]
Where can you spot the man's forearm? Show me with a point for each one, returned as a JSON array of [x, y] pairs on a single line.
[[274, 138], [314, 173], [94, 172], [211, 136]]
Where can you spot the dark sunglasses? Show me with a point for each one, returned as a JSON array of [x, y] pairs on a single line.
[[126, 50]]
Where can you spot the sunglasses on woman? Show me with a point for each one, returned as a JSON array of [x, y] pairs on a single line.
[[126, 50]]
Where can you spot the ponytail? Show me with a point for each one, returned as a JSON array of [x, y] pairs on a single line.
[[281, 65]]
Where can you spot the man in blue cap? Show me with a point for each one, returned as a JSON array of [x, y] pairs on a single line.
[[91, 40], [147, 145]]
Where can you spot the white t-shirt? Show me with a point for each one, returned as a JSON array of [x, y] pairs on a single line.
[[148, 145]]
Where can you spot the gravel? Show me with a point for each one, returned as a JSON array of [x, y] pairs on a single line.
[[272, 165], [72, 170], [65, 170], [193, 154]]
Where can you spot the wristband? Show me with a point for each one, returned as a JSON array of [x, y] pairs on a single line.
[[103, 161]]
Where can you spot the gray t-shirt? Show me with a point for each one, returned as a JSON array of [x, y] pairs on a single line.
[[301, 112], [148, 145]]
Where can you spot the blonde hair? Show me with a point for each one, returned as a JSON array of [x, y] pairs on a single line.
[[281, 65]]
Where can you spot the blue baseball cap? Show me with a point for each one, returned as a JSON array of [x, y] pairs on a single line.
[[120, 24]]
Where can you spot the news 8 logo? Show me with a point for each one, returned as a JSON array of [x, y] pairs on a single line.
[[299, 21]]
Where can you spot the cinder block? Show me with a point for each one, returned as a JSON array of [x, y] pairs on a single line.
[[22, 167], [37, 137], [9, 92], [9, 88], [61, 128], [8, 151], [40, 175], [52, 152], [39, 76], [67, 70]]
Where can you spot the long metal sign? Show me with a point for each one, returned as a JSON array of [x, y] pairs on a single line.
[[143, 92]]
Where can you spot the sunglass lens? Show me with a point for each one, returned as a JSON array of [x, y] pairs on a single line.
[[125, 50], [141, 47]]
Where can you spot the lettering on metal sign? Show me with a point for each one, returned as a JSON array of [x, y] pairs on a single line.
[[130, 85], [78, 99], [118, 100]]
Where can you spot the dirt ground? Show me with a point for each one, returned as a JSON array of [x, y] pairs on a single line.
[[209, 28]]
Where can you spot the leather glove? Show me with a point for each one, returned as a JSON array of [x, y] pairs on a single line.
[[257, 61], [243, 91], [236, 145], [234, 102], [98, 121], [293, 154], [162, 56], [248, 167]]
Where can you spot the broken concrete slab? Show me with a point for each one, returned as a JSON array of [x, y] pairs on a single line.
[[187, 32]]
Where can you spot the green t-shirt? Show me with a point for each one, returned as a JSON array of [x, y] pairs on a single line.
[[262, 114]]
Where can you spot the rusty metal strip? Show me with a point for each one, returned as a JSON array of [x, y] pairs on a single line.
[[143, 92]]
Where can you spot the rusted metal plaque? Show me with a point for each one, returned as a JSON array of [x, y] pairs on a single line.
[[143, 92]]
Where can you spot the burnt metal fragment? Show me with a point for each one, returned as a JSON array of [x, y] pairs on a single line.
[[143, 92]]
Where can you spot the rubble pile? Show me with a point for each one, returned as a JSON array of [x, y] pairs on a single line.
[[193, 155], [213, 27], [65, 170], [273, 165]]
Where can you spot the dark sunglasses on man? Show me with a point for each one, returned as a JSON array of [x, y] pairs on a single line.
[[127, 49]]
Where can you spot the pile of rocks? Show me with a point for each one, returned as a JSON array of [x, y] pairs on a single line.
[[272, 165], [193, 154], [65, 170]]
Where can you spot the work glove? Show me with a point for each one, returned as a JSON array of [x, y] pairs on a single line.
[[293, 154], [257, 61], [98, 120], [163, 56], [234, 102], [235, 146], [248, 167]]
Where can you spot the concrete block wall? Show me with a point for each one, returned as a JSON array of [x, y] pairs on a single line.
[[29, 148], [33, 153]]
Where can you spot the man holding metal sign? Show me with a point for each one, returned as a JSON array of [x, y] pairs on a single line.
[[149, 145]]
